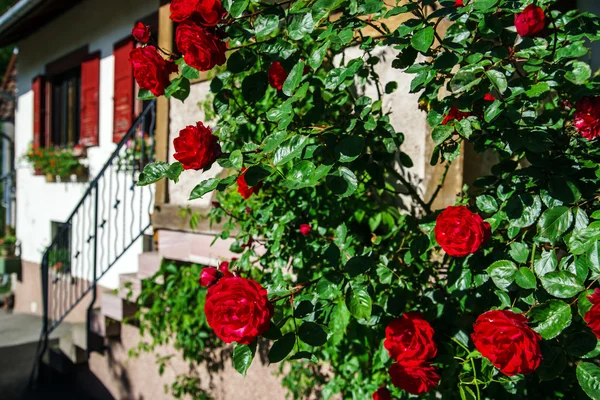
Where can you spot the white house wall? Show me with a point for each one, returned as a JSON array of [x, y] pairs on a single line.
[[98, 24]]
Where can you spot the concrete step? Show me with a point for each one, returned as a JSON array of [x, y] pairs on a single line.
[[130, 287], [148, 264], [66, 344], [103, 326], [114, 307]]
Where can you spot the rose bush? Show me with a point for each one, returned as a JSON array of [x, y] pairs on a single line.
[[488, 296]]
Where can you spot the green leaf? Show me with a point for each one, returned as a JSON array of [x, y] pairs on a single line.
[[153, 172], [255, 174], [498, 79], [492, 111], [350, 148], [546, 263], [343, 182], [301, 175], [312, 334], [593, 257], [554, 223], [550, 318], [204, 187], [282, 348], [243, 354], [588, 376], [273, 141], [144, 94], [467, 77], [190, 73], [236, 7], [553, 362], [301, 26], [538, 89], [523, 210], [290, 149], [519, 252], [581, 241], [561, 284], [237, 159], [423, 39], [359, 302], [502, 273], [583, 303], [358, 265], [525, 278], [317, 56], [484, 5], [487, 204], [265, 25], [179, 89], [441, 133], [254, 87], [293, 79], [581, 343], [174, 171], [579, 73]]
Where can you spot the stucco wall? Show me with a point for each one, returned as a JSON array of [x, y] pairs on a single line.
[[98, 24]]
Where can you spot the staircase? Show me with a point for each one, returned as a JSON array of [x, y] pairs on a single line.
[[111, 217]]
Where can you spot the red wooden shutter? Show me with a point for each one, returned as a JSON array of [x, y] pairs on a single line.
[[90, 106], [39, 122], [123, 100]]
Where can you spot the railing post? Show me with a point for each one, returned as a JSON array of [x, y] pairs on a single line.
[[45, 320], [94, 272]]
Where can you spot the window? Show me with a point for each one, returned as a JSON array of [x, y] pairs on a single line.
[[65, 108]]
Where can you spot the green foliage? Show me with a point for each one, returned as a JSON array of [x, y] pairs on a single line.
[[324, 154]]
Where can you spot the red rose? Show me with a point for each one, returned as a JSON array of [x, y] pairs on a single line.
[[531, 21], [587, 117], [414, 378], [277, 75], [196, 147], [141, 32], [224, 269], [507, 341], [305, 229], [201, 49], [454, 115], [410, 338], [243, 187], [459, 3], [489, 97], [461, 232], [238, 310], [209, 276], [382, 394], [207, 12], [592, 317], [151, 71]]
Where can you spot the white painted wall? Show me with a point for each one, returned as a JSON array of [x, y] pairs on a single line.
[[98, 24]]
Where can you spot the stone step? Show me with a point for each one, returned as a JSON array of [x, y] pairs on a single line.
[[104, 326], [148, 264], [114, 307], [66, 344], [130, 287]]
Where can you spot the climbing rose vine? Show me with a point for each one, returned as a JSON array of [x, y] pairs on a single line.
[[351, 275]]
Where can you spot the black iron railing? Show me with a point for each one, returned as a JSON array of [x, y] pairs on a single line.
[[109, 219]]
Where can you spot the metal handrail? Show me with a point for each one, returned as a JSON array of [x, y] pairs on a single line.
[[73, 246]]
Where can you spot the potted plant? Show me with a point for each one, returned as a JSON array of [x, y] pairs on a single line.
[[8, 246]]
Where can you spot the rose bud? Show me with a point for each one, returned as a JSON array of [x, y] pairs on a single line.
[[141, 32], [224, 269], [209, 276], [382, 393], [277, 75], [305, 229]]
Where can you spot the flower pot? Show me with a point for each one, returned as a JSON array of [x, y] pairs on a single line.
[[50, 178], [8, 249]]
